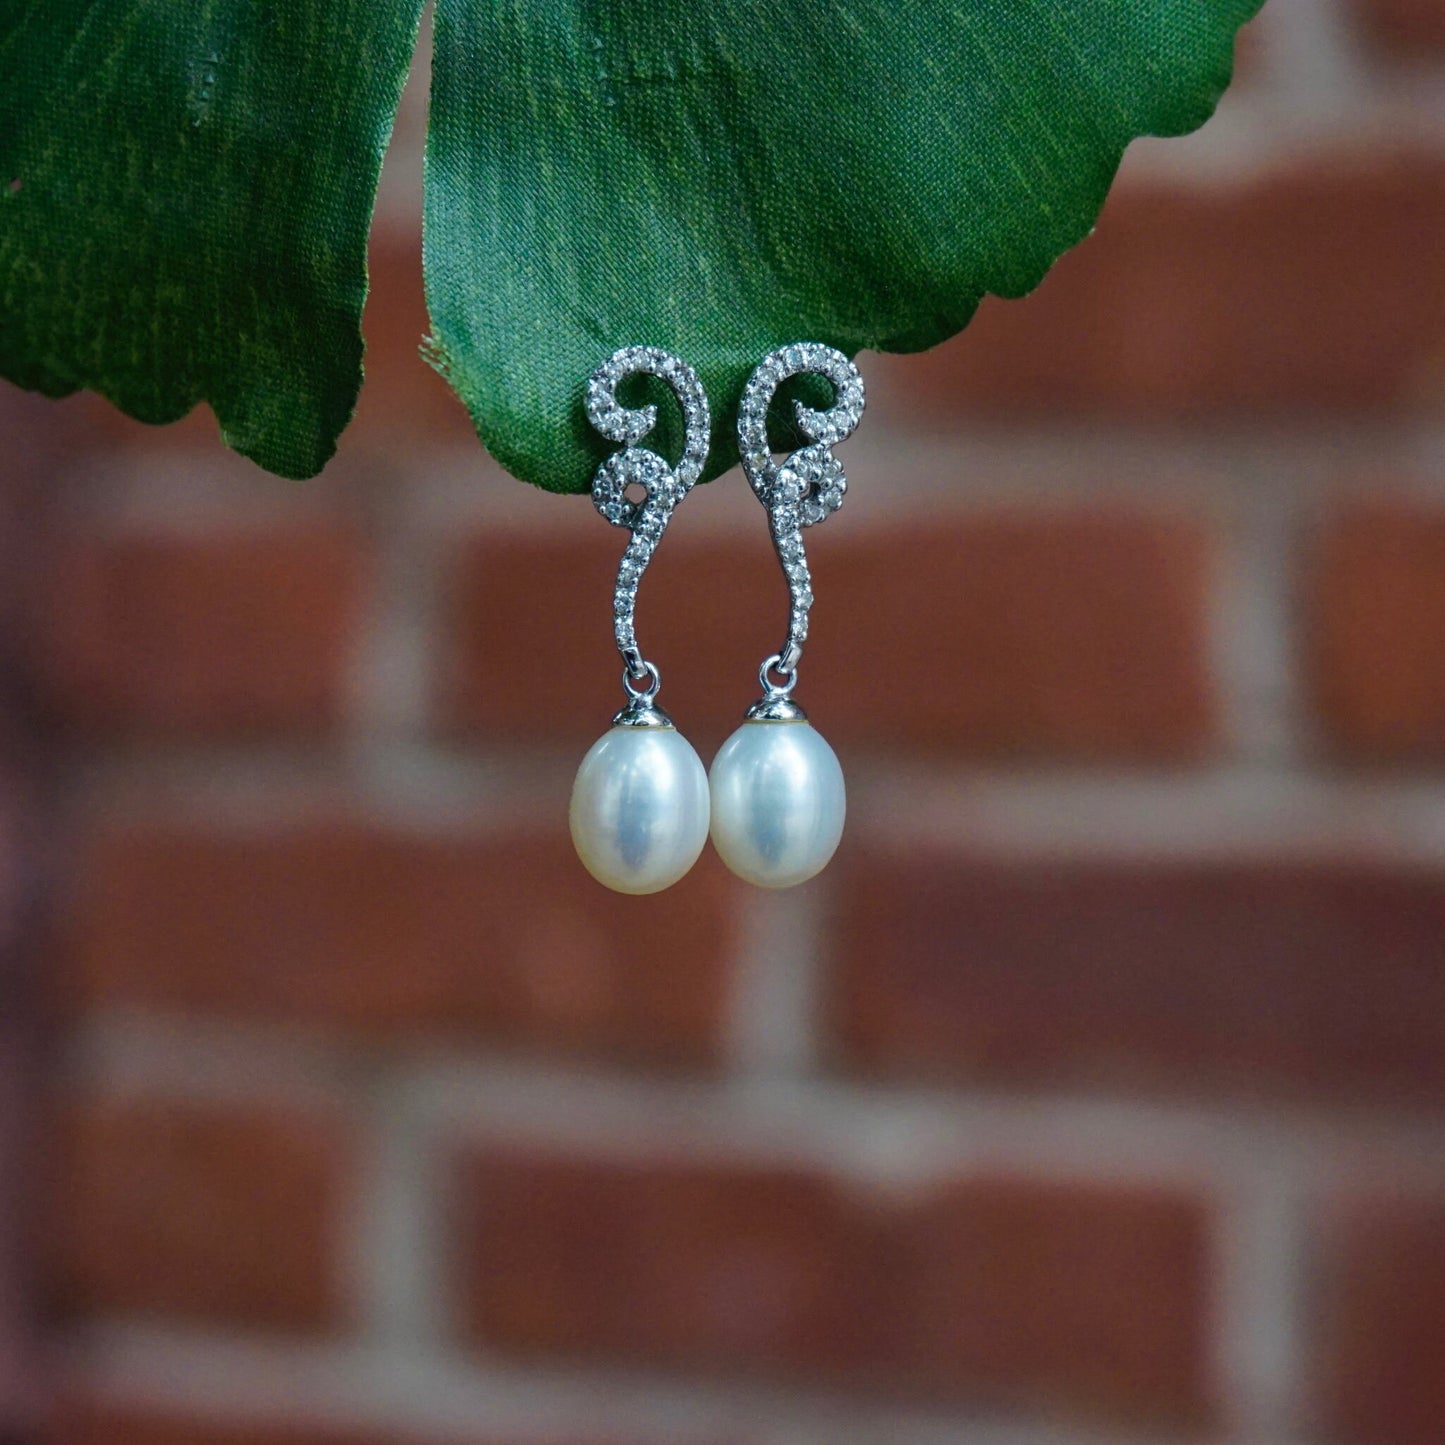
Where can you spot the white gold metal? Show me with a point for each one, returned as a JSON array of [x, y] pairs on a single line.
[[806, 488], [664, 486], [775, 707], [772, 664], [776, 703], [642, 710], [636, 693]]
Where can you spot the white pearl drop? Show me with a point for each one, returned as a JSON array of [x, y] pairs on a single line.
[[639, 809], [777, 803]]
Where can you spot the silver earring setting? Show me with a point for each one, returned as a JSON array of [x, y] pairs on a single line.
[[778, 798], [639, 811], [642, 806]]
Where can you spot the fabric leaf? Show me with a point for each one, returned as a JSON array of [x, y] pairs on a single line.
[[186, 188], [719, 179]]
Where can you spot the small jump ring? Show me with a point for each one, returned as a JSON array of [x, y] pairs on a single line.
[[774, 663], [642, 694]]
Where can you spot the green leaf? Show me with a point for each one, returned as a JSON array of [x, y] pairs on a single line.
[[719, 177], [186, 188]]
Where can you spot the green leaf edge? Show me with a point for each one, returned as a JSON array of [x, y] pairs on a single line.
[[258, 443], [1186, 113], [286, 456]]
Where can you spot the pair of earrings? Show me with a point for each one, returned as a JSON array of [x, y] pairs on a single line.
[[642, 806]]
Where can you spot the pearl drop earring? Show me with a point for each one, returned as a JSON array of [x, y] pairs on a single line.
[[778, 798], [639, 811]]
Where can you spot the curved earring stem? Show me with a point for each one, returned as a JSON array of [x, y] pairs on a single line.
[[806, 488], [664, 487]]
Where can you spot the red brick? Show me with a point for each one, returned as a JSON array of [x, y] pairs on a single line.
[[205, 635], [1075, 634], [201, 1212], [1306, 980], [1382, 1303], [1405, 29], [1251, 58], [85, 424], [20, 1040], [1054, 1297], [404, 401], [666, 1263], [1047, 1297], [1318, 287], [38, 443], [345, 927], [104, 1423], [1376, 598]]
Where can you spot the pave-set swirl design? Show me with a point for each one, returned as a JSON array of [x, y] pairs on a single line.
[[642, 806], [809, 486], [663, 485]]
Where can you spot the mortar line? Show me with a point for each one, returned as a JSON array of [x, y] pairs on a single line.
[[889, 1137], [772, 1022], [1259, 1331], [393, 1246], [1252, 633], [443, 1395]]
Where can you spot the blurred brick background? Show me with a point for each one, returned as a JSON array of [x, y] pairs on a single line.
[[1097, 1091]]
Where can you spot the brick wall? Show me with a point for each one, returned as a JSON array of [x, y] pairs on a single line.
[[38, 454], [1097, 1091]]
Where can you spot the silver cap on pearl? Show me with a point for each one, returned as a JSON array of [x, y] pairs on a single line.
[[776, 704], [776, 707], [642, 712]]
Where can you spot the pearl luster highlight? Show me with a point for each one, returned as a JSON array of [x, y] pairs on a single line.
[[778, 803], [639, 813]]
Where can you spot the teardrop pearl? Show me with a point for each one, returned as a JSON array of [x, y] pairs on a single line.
[[777, 802], [639, 811]]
